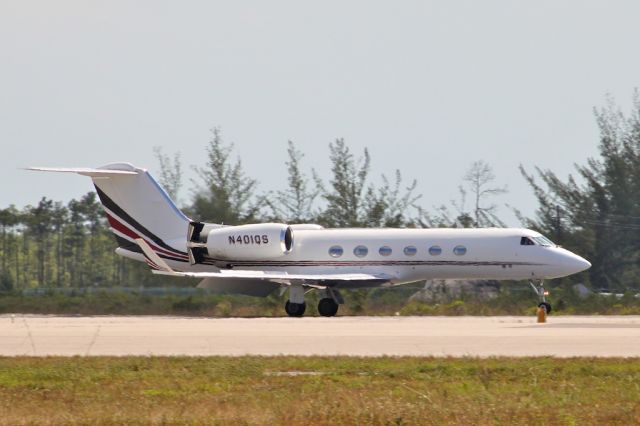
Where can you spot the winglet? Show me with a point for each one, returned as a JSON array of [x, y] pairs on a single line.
[[152, 258]]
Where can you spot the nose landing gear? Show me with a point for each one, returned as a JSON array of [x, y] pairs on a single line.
[[546, 306], [542, 296]]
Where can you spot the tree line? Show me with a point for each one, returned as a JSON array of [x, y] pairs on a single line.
[[58, 245], [595, 213]]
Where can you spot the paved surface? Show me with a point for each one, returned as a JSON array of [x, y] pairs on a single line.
[[364, 336]]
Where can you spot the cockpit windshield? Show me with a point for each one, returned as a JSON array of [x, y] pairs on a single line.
[[536, 241], [544, 241]]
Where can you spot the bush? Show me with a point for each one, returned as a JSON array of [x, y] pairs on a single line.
[[514, 299]]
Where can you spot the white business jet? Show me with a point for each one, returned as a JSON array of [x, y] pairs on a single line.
[[258, 259]]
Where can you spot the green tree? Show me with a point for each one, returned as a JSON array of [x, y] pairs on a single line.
[[352, 201], [74, 243], [390, 204], [58, 220], [597, 213], [346, 198], [227, 194], [170, 172], [8, 219], [479, 179], [39, 221], [296, 203]]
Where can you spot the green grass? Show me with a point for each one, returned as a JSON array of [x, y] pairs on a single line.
[[319, 390]]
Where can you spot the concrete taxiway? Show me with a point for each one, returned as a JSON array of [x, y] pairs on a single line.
[[562, 336]]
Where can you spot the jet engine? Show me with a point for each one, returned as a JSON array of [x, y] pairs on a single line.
[[262, 241]]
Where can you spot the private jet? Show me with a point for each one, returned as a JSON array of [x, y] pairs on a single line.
[[258, 259]]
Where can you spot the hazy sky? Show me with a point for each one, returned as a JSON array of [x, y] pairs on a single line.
[[427, 86]]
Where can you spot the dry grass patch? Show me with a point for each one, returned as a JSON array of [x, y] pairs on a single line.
[[318, 390]]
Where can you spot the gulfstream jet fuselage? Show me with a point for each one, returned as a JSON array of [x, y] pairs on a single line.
[[257, 259]]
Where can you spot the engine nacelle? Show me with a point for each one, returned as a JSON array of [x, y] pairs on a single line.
[[250, 242]]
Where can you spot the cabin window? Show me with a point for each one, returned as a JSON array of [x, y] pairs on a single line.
[[360, 251], [410, 251], [460, 250], [335, 251], [526, 241], [435, 250], [385, 251]]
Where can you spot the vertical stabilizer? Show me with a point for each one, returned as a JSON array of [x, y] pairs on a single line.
[[138, 207]]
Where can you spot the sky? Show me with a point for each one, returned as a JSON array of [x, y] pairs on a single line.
[[427, 86]]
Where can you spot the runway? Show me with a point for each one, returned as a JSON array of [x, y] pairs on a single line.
[[562, 336]]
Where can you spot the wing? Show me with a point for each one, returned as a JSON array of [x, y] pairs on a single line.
[[159, 266], [248, 286]]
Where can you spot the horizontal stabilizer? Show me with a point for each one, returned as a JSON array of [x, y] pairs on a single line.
[[153, 259], [84, 171]]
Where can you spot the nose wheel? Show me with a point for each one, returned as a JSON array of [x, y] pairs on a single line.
[[546, 306], [542, 295]]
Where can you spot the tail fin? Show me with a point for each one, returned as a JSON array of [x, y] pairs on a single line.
[[138, 207]]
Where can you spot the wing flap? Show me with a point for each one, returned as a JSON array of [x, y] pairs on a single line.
[[269, 275], [248, 286]]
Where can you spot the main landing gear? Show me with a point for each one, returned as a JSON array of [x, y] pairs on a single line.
[[542, 296], [295, 306], [330, 300], [295, 309], [327, 307]]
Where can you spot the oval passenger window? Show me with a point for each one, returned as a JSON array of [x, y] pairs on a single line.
[[360, 251], [460, 250], [335, 251], [385, 251], [435, 250], [410, 251]]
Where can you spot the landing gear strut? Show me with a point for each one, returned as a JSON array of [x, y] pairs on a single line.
[[295, 306], [542, 295], [330, 300]]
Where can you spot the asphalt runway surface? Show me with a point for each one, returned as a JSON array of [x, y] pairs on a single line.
[[562, 336]]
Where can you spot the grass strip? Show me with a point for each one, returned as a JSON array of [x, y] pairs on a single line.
[[319, 390]]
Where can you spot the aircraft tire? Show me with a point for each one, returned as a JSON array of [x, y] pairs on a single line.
[[295, 309], [327, 307], [547, 306]]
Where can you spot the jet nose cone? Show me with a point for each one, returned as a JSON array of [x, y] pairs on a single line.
[[584, 264], [567, 263], [578, 264]]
